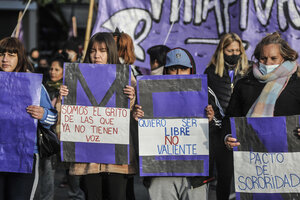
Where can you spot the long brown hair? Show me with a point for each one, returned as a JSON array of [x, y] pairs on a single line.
[[13, 45], [218, 57], [108, 40], [126, 48]]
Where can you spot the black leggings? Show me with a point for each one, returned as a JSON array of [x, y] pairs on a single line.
[[19, 186], [104, 186], [224, 165]]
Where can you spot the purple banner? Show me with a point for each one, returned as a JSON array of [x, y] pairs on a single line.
[[18, 128], [266, 162], [199, 24], [172, 103], [91, 87], [166, 95]]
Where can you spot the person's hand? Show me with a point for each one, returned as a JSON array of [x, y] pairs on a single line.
[[298, 130], [63, 91], [231, 142], [210, 112], [36, 112], [137, 112], [129, 91]]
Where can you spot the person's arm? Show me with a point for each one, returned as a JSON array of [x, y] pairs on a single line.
[[63, 91], [130, 92], [47, 113], [212, 80], [234, 110], [137, 112], [215, 117]]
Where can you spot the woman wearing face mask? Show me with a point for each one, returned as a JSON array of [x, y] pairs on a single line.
[[72, 50], [101, 181], [228, 64], [274, 79], [157, 55]]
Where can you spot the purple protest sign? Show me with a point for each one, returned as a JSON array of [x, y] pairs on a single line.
[[173, 134], [165, 95], [198, 24], [95, 114], [265, 164], [18, 128]]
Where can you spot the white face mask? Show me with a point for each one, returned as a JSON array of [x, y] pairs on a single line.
[[265, 69], [71, 56], [157, 71]]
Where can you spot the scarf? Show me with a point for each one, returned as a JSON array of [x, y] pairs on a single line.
[[275, 84], [52, 84]]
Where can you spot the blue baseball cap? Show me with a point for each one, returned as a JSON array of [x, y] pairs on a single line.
[[178, 57]]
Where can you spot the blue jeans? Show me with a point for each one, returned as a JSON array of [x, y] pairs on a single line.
[[46, 182]]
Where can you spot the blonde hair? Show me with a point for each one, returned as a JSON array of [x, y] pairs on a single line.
[[218, 57]]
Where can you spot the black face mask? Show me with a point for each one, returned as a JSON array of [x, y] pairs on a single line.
[[232, 60], [34, 59]]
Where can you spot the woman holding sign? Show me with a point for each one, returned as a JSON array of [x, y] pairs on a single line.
[[102, 49], [228, 64], [271, 88], [16, 186]]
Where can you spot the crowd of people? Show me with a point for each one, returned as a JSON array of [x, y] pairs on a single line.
[[265, 86]]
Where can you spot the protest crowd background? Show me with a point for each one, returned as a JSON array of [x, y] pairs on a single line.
[[140, 99]]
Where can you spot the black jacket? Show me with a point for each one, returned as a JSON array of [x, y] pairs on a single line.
[[220, 93], [221, 86], [248, 89]]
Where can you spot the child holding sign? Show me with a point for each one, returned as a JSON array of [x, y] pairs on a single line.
[[178, 62]]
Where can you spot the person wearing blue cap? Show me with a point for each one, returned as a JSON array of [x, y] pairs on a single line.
[[178, 62]]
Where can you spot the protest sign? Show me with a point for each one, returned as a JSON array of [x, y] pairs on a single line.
[[95, 114], [90, 124], [199, 24], [173, 135], [18, 129], [266, 164]]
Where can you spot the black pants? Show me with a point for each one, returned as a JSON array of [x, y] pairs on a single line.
[[224, 165], [19, 186], [104, 186]]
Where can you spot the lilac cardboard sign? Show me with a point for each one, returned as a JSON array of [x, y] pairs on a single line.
[[266, 162], [18, 128], [173, 134], [95, 114]]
